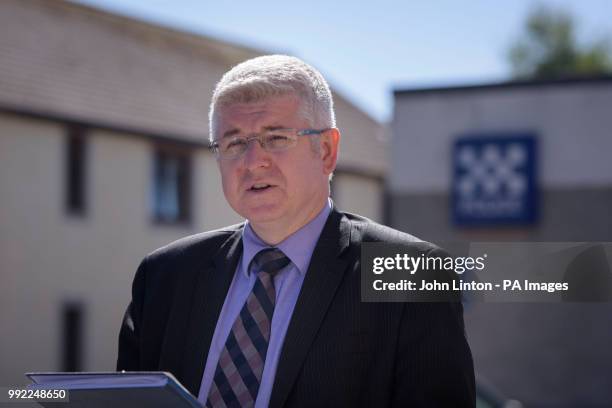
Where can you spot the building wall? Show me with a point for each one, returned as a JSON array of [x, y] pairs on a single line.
[[358, 194], [48, 257], [29, 160], [541, 354], [363, 141], [572, 126]]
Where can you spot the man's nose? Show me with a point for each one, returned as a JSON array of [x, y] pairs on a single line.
[[255, 155]]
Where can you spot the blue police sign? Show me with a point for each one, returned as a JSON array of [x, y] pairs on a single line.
[[494, 180]]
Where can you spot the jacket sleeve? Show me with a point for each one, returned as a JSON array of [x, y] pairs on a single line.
[[129, 355], [434, 366]]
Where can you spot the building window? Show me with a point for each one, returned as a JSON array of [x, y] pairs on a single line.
[[75, 171], [72, 333], [171, 186]]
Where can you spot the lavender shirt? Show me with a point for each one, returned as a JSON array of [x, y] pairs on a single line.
[[298, 247]]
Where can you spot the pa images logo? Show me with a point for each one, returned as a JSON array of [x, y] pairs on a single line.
[[494, 180]]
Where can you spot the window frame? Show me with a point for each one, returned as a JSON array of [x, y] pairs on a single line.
[[183, 155]]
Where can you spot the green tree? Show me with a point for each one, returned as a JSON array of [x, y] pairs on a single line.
[[548, 49]]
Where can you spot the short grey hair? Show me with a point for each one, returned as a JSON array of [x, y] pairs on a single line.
[[267, 76]]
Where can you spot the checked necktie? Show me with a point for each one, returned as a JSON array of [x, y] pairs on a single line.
[[241, 363]]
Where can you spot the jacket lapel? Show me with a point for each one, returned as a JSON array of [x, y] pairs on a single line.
[[320, 284], [193, 318]]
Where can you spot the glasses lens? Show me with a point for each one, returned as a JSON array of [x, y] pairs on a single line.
[[278, 140], [232, 147]]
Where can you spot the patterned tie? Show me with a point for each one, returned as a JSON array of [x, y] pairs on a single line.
[[241, 363]]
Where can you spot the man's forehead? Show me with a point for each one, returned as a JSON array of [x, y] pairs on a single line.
[[272, 103], [269, 114]]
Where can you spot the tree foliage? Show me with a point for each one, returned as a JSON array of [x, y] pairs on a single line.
[[549, 49]]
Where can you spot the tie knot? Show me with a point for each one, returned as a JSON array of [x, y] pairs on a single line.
[[270, 260]]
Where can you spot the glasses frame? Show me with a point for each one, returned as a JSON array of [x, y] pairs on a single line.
[[214, 145]]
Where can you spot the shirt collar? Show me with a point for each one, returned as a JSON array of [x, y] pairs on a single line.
[[298, 246]]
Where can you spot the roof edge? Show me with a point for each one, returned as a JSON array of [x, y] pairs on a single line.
[[61, 118], [513, 84]]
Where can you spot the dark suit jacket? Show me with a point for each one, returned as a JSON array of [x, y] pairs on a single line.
[[338, 351]]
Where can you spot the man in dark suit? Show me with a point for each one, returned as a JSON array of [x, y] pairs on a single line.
[[269, 312]]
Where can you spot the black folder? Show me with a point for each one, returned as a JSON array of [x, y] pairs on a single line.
[[114, 390]]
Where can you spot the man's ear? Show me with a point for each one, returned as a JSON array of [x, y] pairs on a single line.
[[330, 141]]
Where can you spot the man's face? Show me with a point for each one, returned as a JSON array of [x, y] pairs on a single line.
[[282, 190]]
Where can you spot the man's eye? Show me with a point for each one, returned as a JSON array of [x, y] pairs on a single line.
[[277, 140], [234, 145]]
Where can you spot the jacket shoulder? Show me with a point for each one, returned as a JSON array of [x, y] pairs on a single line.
[[207, 242], [366, 230]]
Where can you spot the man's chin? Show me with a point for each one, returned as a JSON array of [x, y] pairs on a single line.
[[263, 213]]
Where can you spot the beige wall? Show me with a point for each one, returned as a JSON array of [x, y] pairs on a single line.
[[47, 256], [363, 141], [358, 194], [29, 162]]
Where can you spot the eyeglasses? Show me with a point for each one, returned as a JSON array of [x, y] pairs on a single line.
[[270, 140]]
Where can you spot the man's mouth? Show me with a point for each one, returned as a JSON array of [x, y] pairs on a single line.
[[260, 187]]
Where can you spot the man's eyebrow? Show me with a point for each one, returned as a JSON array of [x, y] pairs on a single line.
[[274, 127], [234, 132], [230, 133]]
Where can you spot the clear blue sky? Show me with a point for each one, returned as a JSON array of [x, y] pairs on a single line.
[[367, 49]]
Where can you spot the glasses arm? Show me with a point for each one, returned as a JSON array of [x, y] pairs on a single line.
[[310, 132]]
